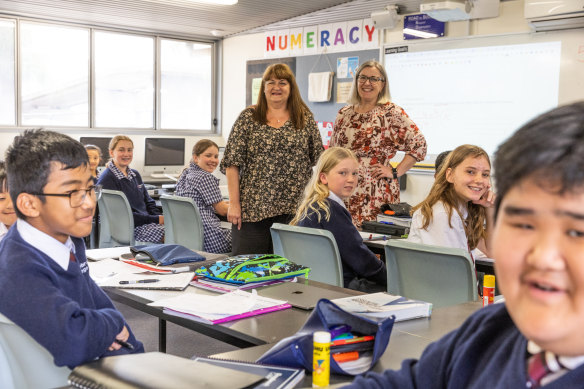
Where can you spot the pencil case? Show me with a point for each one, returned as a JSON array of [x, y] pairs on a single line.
[[296, 350], [167, 254], [242, 269]]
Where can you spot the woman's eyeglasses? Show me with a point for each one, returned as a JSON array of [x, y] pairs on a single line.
[[373, 80], [77, 197]]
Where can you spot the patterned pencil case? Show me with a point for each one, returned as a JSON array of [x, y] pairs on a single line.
[[242, 269]]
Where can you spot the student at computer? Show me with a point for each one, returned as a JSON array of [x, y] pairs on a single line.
[[148, 221], [95, 156], [459, 204], [44, 278], [334, 180], [198, 183], [538, 243], [7, 214]]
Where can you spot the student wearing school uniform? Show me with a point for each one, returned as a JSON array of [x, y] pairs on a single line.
[[459, 205], [534, 339], [148, 220], [333, 181], [95, 156], [44, 278], [198, 183], [7, 214]]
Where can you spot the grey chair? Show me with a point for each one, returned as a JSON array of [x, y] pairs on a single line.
[[310, 247], [24, 363], [441, 275], [116, 226], [182, 222]]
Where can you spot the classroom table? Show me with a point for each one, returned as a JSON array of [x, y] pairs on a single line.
[[408, 340], [253, 331]]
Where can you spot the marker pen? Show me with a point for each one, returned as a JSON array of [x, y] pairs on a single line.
[[147, 281]]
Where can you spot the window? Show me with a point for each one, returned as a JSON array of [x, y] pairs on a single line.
[[54, 65], [7, 96], [124, 80], [185, 85]]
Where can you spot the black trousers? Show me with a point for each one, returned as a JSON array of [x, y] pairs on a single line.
[[255, 237]]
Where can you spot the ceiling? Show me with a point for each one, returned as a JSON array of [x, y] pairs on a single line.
[[186, 18]]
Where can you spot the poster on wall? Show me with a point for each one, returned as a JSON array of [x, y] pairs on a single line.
[[343, 90], [326, 130], [346, 67]]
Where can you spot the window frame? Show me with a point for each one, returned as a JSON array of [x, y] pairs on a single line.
[[214, 127]]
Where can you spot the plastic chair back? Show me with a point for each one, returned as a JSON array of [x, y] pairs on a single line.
[[24, 363], [116, 227], [310, 247], [441, 275], [182, 222]]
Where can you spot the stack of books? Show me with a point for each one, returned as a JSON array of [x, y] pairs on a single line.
[[226, 287], [404, 221], [383, 305]]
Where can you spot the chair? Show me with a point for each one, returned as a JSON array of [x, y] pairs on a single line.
[[116, 227], [441, 275], [310, 247], [182, 222], [24, 363]]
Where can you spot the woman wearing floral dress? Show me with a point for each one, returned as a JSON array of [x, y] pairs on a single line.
[[268, 159], [375, 129]]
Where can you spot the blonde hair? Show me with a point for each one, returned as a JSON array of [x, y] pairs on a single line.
[[444, 191], [382, 97], [316, 192], [296, 106], [117, 139]]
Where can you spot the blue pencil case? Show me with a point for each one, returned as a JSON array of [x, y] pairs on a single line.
[[167, 254]]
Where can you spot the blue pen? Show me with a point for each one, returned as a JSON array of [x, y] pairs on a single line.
[[390, 223]]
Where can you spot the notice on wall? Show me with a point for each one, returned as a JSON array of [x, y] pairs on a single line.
[[343, 90], [326, 130], [346, 67], [256, 84]]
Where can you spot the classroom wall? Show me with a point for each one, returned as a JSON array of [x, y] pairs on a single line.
[[237, 50]]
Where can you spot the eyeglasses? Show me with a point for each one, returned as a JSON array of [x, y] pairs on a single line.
[[373, 80], [272, 83], [77, 196]]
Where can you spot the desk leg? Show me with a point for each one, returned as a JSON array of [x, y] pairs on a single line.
[[162, 335]]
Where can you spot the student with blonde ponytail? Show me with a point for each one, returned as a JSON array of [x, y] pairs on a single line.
[[333, 181]]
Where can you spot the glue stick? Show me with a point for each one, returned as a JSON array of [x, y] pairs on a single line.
[[488, 290], [321, 359]]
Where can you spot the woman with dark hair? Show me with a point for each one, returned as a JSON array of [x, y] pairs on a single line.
[[268, 159], [198, 182], [375, 129]]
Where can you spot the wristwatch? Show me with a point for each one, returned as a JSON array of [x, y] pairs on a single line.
[[394, 170]]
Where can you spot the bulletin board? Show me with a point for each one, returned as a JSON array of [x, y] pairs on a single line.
[[302, 66]]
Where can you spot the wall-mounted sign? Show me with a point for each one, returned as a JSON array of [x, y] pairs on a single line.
[[422, 26], [334, 37]]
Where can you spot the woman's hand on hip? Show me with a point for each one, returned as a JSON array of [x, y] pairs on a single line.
[[380, 171], [234, 214]]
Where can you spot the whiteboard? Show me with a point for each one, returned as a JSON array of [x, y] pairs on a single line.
[[479, 90]]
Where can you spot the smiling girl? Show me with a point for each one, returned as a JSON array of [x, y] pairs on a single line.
[[198, 183], [7, 214], [458, 211], [333, 181]]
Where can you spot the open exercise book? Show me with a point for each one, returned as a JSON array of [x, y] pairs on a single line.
[[380, 305], [219, 309]]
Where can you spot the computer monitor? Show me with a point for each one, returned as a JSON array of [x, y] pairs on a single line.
[[164, 156], [101, 142]]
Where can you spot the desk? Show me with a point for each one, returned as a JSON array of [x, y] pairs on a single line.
[[253, 331], [408, 340]]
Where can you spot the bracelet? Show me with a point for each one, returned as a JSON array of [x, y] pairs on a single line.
[[394, 170]]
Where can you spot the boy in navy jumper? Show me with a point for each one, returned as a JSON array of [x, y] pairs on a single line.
[[44, 277], [538, 245]]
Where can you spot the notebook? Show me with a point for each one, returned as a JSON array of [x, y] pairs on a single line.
[[277, 377], [300, 295], [160, 371]]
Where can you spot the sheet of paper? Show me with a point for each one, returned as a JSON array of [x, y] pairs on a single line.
[[112, 252], [107, 268], [176, 281]]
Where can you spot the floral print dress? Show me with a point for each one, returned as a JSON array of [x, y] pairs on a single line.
[[375, 137]]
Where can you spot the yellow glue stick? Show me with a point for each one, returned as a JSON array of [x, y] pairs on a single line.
[[321, 359], [488, 290]]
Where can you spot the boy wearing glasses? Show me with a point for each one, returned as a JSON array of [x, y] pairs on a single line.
[[44, 277]]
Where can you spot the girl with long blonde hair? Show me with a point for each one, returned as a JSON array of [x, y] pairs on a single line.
[[333, 181]]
